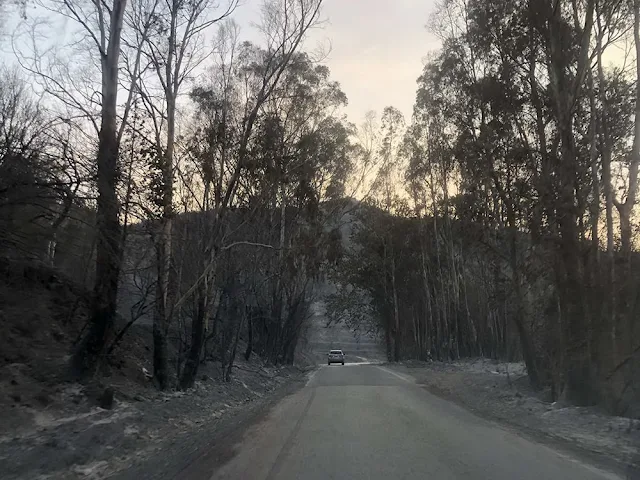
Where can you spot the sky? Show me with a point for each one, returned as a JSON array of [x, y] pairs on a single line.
[[377, 49]]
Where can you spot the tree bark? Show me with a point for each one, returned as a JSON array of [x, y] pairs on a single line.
[[396, 314], [192, 362], [163, 312], [625, 209], [579, 386], [247, 353], [161, 319], [594, 210], [108, 249], [605, 141], [234, 349]]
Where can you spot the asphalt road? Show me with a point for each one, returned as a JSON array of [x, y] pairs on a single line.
[[363, 421]]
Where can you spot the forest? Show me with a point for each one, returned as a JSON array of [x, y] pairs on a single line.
[[178, 174], [502, 222]]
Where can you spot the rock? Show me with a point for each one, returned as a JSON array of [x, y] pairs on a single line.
[[106, 400]]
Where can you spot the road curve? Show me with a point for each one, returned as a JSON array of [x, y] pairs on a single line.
[[362, 421]]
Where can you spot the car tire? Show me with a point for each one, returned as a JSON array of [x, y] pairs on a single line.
[[328, 363], [343, 363]]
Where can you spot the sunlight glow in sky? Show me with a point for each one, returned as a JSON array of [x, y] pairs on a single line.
[[377, 48], [377, 51]]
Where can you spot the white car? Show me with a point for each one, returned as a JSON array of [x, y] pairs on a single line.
[[335, 356]]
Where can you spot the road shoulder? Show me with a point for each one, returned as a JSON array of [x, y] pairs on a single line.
[[488, 391], [202, 452]]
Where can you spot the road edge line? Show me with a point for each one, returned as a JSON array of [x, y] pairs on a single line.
[[395, 374]]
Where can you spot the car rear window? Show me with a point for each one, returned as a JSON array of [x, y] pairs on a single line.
[[337, 352]]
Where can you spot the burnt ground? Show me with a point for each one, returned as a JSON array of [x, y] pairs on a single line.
[[52, 428], [501, 392], [74, 439], [96, 443]]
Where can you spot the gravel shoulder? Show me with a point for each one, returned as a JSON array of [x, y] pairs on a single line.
[[501, 392]]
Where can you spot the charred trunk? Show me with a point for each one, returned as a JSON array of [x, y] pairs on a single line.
[[192, 362], [247, 353], [108, 248]]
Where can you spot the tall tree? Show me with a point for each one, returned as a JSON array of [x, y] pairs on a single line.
[[173, 51], [285, 24], [68, 77], [106, 36], [625, 208]]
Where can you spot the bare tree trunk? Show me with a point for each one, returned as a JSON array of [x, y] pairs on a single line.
[[188, 377], [160, 327], [526, 342], [247, 353], [579, 386], [605, 140], [542, 179], [625, 209], [610, 261], [234, 349], [279, 293], [396, 314], [57, 223], [594, 210], [108, 257], [440, 319], [387, 317], [199, 324], [161, 318], [163, 312], [428, 328]]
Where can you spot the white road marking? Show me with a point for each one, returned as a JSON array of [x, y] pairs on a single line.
[[311, 375], [395, 374]]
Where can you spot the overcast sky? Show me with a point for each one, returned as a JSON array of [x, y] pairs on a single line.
[[377, 47]]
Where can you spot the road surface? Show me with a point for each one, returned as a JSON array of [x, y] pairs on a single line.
[[364, 421]]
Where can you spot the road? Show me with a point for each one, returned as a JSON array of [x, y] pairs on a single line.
[[323, 336], [365, 421]]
